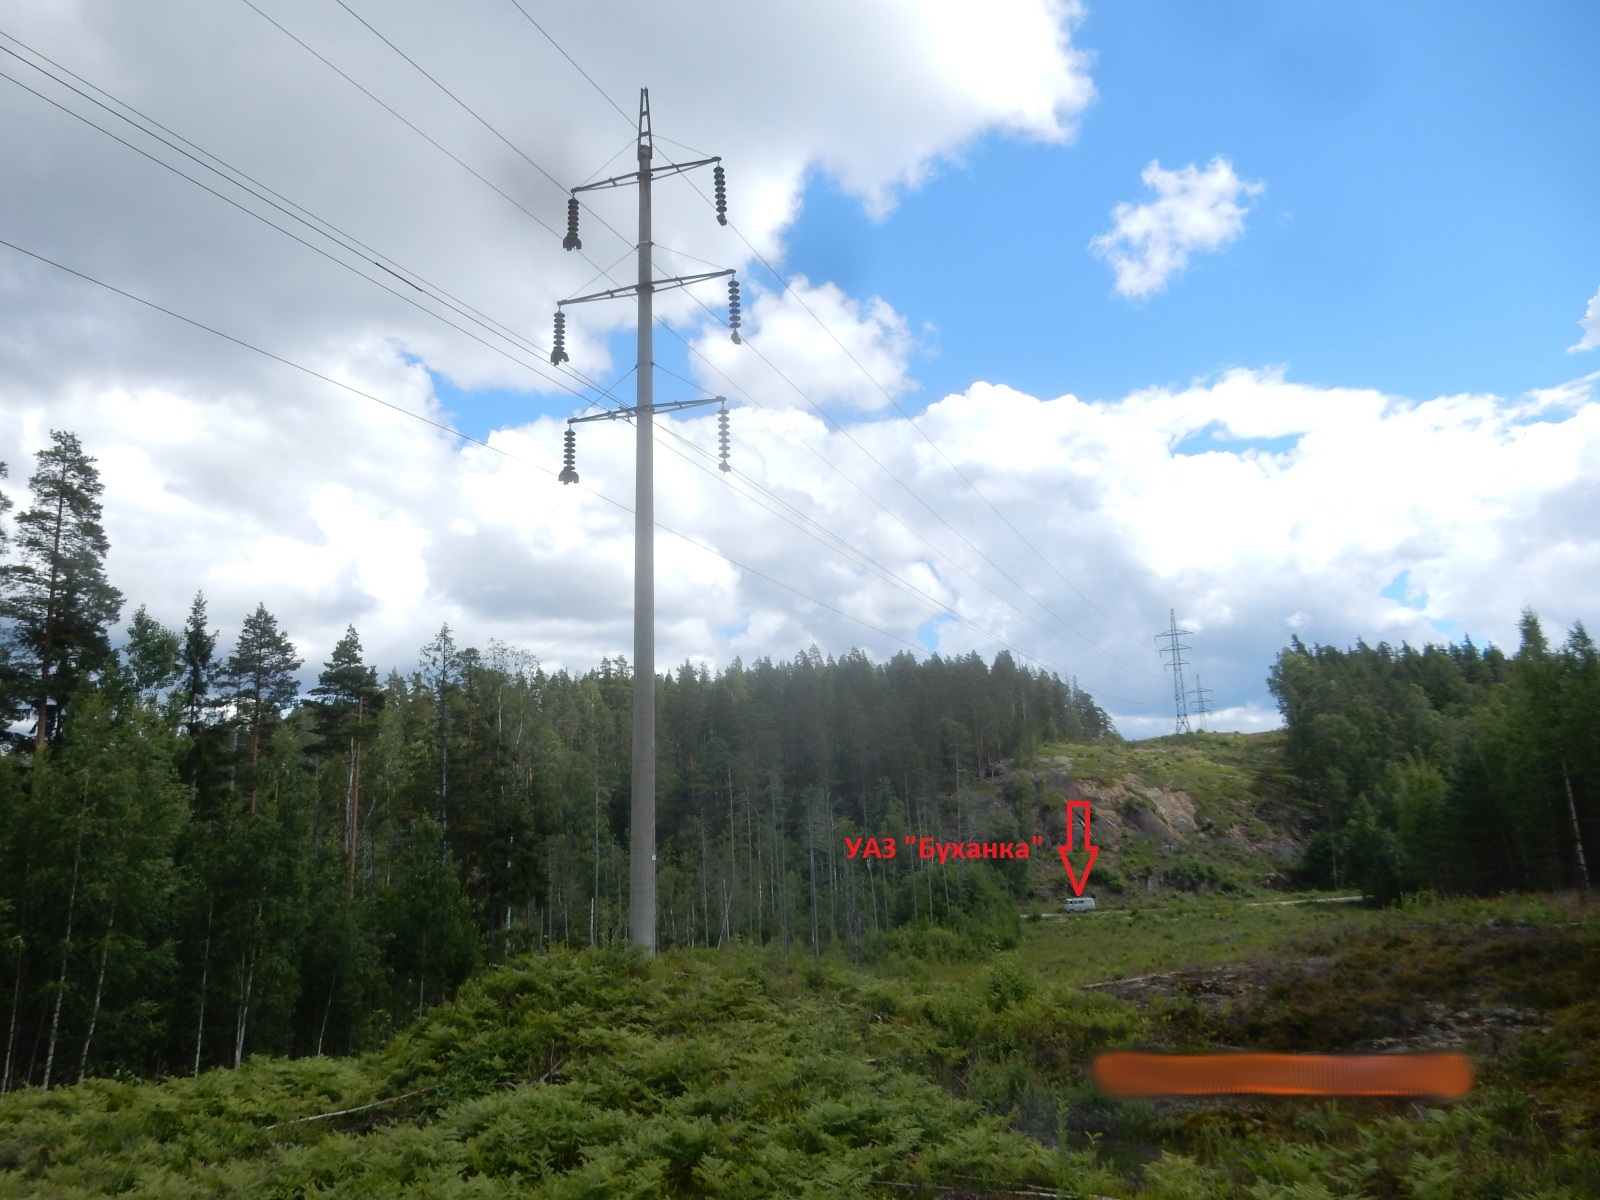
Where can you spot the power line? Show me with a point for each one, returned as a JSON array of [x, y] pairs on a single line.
[[346, 241], [295, 237], [310, 220], [767, 500], [890, 513], [761, 258], [838, 425], [582, 72], [439, 425], [512, 146]]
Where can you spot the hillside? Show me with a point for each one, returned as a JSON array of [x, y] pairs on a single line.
[[738, 1073], [1198, 812]]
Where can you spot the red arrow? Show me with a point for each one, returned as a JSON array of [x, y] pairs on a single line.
[[1094, 851]]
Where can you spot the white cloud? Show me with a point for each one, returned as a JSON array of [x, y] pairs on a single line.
[[774, 89], [1590, 326], [238, 475], [1194, 210], [860, 360], [362, 515]]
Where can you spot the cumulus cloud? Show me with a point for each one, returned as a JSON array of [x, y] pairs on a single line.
[[774, 89], [1193, 210], [361, 515], [814, 341], [232, 473], [1590, 326]]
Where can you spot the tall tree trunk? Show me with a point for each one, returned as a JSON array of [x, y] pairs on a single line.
[[47, 645], [1577, 833], [66, 949], [872, 894], [730, 916], [753, 856], [444, 779], [780, 893], [594, 897], [205, 971], [326, 1009], [355, 806], [242, 1019], [11, 1035], [833, 876], [705, 878], [99, 989], [811, 853]]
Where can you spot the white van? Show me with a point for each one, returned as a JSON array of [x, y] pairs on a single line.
[[1078, 904]]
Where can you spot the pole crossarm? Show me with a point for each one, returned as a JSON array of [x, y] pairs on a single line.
[[616, 414], [655, 173], [655, 285]]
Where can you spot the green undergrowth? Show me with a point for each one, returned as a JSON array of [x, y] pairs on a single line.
[[740, 1073]]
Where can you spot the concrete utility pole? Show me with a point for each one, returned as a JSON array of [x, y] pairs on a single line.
[[642, 826]]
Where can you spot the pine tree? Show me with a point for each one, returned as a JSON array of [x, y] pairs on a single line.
[[57, 597], [260, 680]]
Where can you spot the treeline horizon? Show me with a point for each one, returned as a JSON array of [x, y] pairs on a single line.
[[1448, 769], [198, 862]]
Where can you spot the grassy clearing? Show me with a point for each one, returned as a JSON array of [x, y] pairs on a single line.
[[739, 1073], [1171, 932]]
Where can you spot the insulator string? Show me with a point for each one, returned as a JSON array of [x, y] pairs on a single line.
[[569, 456], [571, 242], [558, 354]]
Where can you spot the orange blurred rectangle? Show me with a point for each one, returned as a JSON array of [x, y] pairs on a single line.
[[1129, 1074]]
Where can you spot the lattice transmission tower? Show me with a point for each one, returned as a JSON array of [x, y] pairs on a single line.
[[1176, 648], [1202, 707]]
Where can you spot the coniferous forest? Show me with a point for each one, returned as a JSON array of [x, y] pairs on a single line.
[[202, 859], [1448, 769], [199, 860]]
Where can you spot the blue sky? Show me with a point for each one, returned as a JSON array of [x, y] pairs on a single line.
[[1379, 200], [1430, 224]]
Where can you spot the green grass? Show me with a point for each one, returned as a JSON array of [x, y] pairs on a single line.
[[1173, 931]]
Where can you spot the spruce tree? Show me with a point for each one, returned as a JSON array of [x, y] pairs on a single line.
[[199, 661], [57, 597]]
